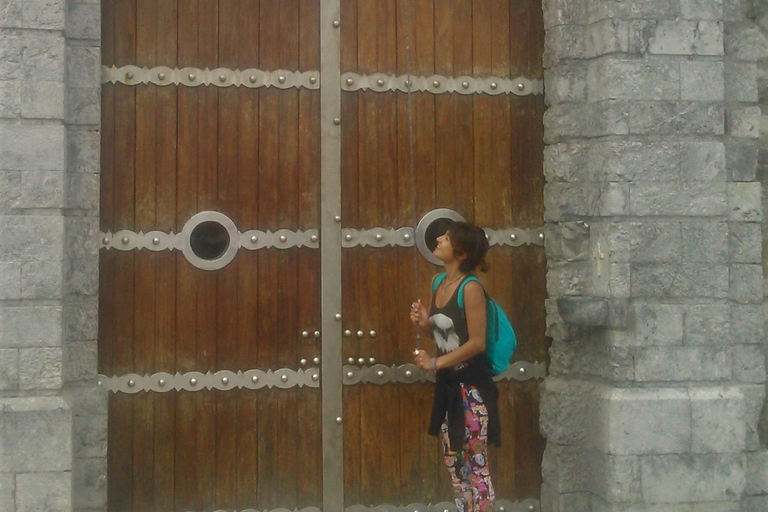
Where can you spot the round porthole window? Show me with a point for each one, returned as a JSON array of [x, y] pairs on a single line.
[[432, 225], [209, 240]]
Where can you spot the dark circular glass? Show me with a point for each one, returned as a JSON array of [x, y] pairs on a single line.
[[209, 240], [436, 228]]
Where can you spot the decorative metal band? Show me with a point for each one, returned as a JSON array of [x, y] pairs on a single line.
[[126, 240], [439, 84], [404, 237], [410, 373], [307, 509], [223, 380], [529, 505], [219, 77]]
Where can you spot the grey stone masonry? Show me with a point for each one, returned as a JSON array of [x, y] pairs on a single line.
[[655, 276]]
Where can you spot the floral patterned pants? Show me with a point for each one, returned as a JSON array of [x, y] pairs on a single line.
[[469, 468]]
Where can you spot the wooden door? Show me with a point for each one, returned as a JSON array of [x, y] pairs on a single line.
[[274, 374]]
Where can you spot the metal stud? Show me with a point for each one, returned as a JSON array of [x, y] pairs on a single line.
[[129, 75], [155, 241], [408, 83], [465, 85], [131, 383], [305, 334], [337, 316], [380, 82], [315, 377], [193, 382], [255, 379], [372, 360], [105, 240], [313, 80], [317, 334], [252, 79], [281, 79], [372, 334], [541, 236], [222, 78], [502, 509], [336, 24], [284, 378], [254, 239], [283, 238], [360, 334], [407, 236], [161, 383], [347, 333], [436, 83], [191, 77], [224, 381], [522, 371], [408, 373], [316, 360], [531, 507], [380, 373], [379, 237], [125, 240], [521, 86], [351, 360], [350, 375], [361, 361], [338, 420], [303, 362], [313, 238], [494, 85], [161, 76], [348, 237], [337, 218], [336, 121], [513, 237], [350, 82], [101, 383]]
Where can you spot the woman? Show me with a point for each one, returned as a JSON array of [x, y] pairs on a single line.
[[464, 413]]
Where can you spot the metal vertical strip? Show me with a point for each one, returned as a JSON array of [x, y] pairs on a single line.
[[330, 254]]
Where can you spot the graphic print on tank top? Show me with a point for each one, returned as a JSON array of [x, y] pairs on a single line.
[[444, 331]]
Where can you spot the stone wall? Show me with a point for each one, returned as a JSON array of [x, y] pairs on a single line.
[[654, 251]]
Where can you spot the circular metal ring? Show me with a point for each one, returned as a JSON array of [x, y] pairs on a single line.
[[439, 214], [229, 253]]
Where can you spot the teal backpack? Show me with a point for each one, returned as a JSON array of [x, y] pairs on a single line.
[[500, 339]]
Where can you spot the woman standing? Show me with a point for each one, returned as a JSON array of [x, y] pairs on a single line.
[[464, 412]]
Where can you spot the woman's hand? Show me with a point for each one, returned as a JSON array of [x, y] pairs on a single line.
[[419, 315], [425, 361]]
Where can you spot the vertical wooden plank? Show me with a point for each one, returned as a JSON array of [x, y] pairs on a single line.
[[483, 129], [463, 135], [445, 129]]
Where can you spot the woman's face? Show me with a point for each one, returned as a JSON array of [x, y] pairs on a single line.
[[443, 249]]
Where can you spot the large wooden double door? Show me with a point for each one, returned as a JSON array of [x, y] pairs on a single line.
[[259, 164]]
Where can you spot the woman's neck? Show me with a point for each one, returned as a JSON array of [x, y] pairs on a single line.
[[452, 271]]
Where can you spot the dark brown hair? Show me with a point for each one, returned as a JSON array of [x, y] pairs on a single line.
[[470, 240]]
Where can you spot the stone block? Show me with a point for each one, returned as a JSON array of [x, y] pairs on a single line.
[[615, 239], [642, 421], [566, 410], [655, 242], [10, 280], [11, 14], [747, 324], [10, 191], [567, 163], [740, 160], [745, 242], [566, 84], [82, 276], [755, 504], [83, 151], [622, 79], [679, 280], [692, 478], [616, 478], [682, 37], [565, 241], [746, 284], [707, 324], [30, 326], [745, 41], [683, 364], [702, 161], [592, 357], [10, 99], [744, 202], [748, 363], [40, 368], [41, 280], [566, 468], [675, 118], [694, 73], [7, 492], [84, 106], [694, 198], [553, 501], [83, 66], [44, 57], [567, 278], [31, 237], [35, 435], [32, 147], [705, 242], [41, 189], [631, 9], [607, 37], [81, 318], [45, 14], [83, 20], [754, 396], [80, 361], [37, 492], [9, 369], [82, 191], [11, 56], [563, 42], [566, 201], [701, 9], [744, 122], [634, 161], [89, 413], [562, 122], [89, 486], [42, 100], [717, 420], [589, 311], [741, 82], [82, 237], [757, 473], [652, 324], [563, 12]]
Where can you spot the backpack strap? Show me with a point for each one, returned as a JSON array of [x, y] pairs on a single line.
[[437, 280], [460, 298]]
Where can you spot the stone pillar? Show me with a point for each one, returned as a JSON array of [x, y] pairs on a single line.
[[654, 252], [35, 421]]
